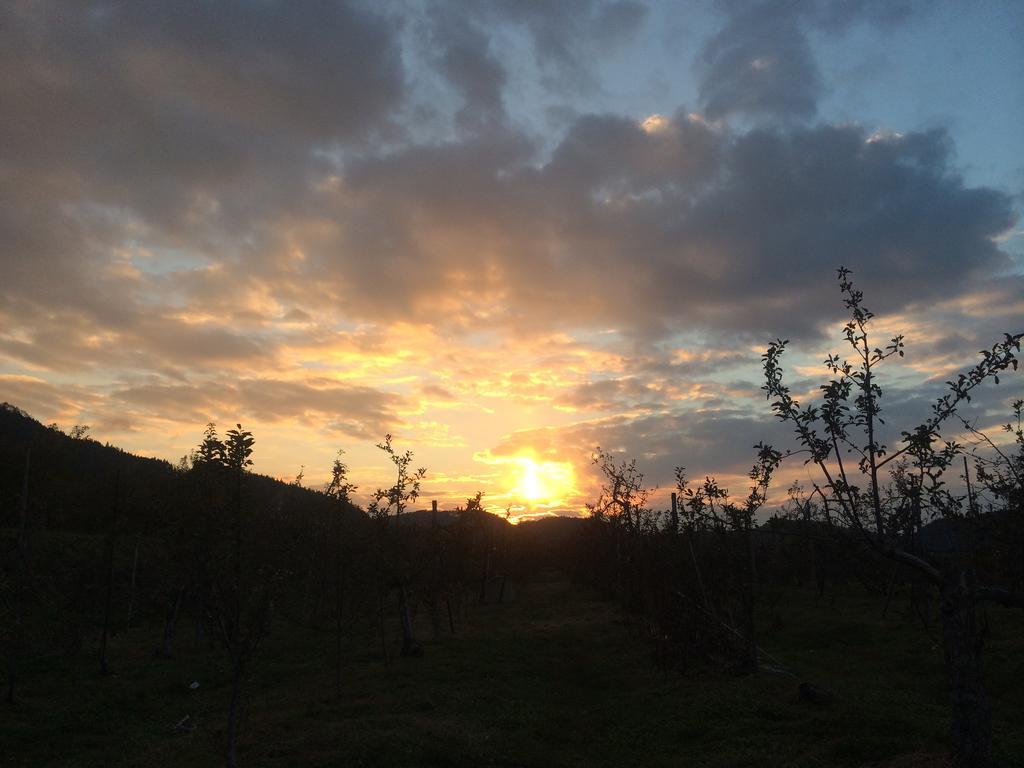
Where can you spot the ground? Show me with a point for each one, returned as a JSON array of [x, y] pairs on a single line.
[[556, 677]]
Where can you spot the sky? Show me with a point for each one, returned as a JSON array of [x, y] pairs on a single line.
[[506, 232]]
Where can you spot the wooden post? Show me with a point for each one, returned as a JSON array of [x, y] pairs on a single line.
[[380, 623], [171, 622], [338, 599], [970, 491], [696, 570], [487, 558], [111, 541], [20, 579], [451, 618], [23, 511], [409, 645], [135, 570], [435, 576]]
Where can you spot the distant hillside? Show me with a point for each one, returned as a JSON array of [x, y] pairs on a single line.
[[72, 481], [424, 518]]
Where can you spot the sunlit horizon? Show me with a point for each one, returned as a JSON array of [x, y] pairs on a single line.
[[504, 236]]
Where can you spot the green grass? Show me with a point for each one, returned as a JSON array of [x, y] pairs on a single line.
[[553, 678]]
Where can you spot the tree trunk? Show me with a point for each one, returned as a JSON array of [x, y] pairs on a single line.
[[309, 603], [19, 585], [109, 592], [486, 575], [435, 614], [135, 570], [890, 589], [339, 603], [200, 615], [234, 711], [451, 619], [750, 601], [971, 726], [409, 645], [696, 570], [436, 571], [236, 619], [170, 623], [380, 625]]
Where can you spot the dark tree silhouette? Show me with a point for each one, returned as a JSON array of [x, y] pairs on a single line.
[[339, 491], [242, 625], [847, 423], [397, 497]]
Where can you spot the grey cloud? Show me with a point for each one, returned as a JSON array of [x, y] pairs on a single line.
[[45, 400], [701, 363], [761, 64], [564, 33], [957, 330], [182, 343], [357, 411], [682, 228], [613, 155], [154, 119], [72, 340], [471, 67], [612, 395], [59, 345], [660, 380], [181, 402], [837, 16], [111, 72], [557, 27], [511, 228]]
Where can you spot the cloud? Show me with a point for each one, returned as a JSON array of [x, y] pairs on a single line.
[[336, 221], [186, 190], [663, 378], [761, 63], [464, 57], [70, 339], [837, 16], [355, 411], [690, 227], [173, 124], [45, 400], [193, 76], [611, 395], [564, 34]]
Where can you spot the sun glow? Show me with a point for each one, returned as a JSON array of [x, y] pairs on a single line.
[[547, 482]]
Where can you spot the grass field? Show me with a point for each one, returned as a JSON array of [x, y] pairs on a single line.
[[552, 678]]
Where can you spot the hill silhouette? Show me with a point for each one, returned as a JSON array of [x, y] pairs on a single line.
[[72, 477]]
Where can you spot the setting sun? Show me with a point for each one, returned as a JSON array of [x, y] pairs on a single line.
[[548, 482]]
